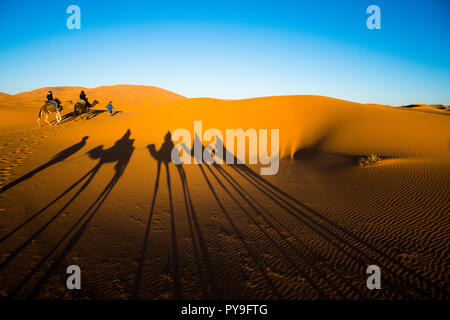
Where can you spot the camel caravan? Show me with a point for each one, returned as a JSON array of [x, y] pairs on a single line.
[[53, 105]]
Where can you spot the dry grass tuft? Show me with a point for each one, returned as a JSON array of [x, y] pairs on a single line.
[[370, 159]]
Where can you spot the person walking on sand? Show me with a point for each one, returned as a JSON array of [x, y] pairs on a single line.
[[110, 108]]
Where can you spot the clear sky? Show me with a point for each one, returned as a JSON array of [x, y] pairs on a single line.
[[233, 49]]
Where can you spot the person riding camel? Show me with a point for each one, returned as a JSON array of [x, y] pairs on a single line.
[[51, 100], [49, 96], [83, 97]]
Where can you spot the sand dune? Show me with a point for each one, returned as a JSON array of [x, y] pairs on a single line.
[[22, 108], [126, 97], [435, 108], [92, 193], [308, 122]]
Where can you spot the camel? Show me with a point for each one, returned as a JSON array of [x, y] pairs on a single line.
[[50, 107], [81, 107]]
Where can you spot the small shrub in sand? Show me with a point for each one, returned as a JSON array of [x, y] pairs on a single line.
[[370, 159]]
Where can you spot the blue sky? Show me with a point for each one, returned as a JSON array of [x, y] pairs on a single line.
[[233, 49]]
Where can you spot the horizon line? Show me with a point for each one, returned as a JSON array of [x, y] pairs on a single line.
[[206, 97]]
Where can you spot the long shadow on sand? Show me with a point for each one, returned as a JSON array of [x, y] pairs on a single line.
[[359, 250], [362, 251], [209, 285], [120, 153], [256, 259], [72, 116], [162, 156], [223, 178], [61, 156], [207, 278]]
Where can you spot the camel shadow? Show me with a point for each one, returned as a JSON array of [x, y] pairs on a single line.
[[255, 257], [61, 156], [68, 117], [208, 283], [92, 113], [120, 153], [162, 156], [351, 245]]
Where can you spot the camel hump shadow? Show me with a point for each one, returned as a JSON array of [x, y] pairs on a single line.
[[120, 152], [220, 151], [164, 154]]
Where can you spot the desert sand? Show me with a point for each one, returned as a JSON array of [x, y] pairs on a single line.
[[90, 193]]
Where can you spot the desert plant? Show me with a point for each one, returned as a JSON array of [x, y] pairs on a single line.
[[370, 159]]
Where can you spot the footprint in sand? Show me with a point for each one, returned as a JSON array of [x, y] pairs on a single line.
[[137, 220], [16, 149]]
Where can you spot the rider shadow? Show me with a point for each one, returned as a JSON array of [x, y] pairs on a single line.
[[205, 268], [162, 156], [208, 281], [198, 158], [71, 116], [63, 155], [120, 153], [224, 179]]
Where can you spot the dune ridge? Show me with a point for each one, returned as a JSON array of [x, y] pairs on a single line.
[[130, 97], [311, 123]]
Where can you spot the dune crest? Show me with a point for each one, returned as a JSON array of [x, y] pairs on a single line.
[[311, 123], [307, 124], [129, 97]]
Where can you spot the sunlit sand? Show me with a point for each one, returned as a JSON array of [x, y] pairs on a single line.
[[358, 184]]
